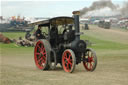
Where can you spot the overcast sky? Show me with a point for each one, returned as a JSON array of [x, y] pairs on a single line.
[[44, 8]]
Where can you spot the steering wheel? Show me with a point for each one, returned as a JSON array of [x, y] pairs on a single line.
[[44, 34]]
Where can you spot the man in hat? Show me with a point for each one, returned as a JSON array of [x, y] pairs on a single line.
[[39, 34]]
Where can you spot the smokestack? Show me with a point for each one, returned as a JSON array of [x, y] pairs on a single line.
[[76, 23]]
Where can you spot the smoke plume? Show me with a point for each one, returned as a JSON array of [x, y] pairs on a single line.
[[124, 9], [97, 5], [105, 8]]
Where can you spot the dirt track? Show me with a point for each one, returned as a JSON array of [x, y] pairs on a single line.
[[18, 67]]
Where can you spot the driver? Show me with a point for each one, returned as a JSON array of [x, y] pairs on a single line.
[[39, 34]]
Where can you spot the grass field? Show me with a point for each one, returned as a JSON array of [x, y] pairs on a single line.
[[18, 67]]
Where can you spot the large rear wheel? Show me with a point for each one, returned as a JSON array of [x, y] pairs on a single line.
[[41, 54], [68, 61], [90, 60]]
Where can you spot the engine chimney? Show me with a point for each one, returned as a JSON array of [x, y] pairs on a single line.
[[76, 24], [75, 43]]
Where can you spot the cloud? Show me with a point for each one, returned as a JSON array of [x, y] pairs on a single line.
[[39, 8], [50, 0], [22, 8], [45, 8]]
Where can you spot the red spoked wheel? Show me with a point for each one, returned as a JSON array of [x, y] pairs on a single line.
[[41, 55], [68, 61], [90, 60]]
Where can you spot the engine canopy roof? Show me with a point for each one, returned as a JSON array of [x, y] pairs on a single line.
[[56, 21]]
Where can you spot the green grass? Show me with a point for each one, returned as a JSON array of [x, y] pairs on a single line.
[[12, 48], [97, 44], [104, 44], [14, 35]]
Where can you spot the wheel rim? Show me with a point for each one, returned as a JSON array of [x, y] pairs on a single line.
[[89, 61], [40, 55], [67, 61]]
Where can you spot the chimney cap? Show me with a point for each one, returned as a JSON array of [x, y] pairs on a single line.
[[76, 12]]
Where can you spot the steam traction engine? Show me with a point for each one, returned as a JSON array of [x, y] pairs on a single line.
[[64, 47]]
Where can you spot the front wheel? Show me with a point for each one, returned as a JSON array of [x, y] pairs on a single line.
[[90, 60], [68, 61]]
